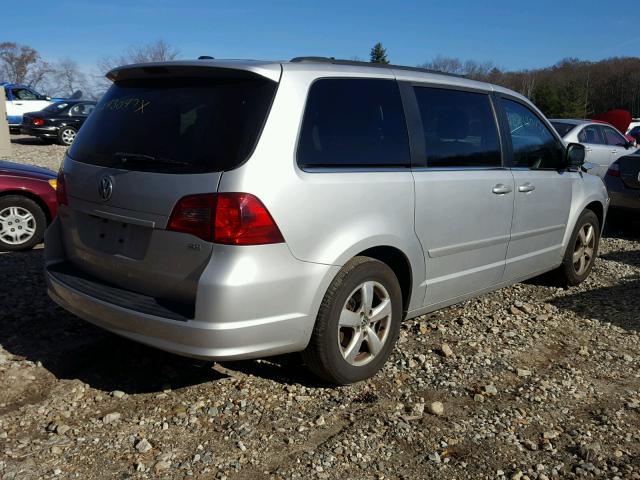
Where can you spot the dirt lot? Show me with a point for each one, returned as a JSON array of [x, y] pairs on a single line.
[[534, 381]]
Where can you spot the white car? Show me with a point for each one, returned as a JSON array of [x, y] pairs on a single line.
[[604, 144], [21, 99], [634, 123]]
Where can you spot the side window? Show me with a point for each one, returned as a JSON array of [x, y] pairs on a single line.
[[354, 122], [591, 134], [459, 128], [23, 94], [611, 137], [534, 146], [80, 110]]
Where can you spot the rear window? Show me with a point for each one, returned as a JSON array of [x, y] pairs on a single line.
[[179, 125], [563, 128]]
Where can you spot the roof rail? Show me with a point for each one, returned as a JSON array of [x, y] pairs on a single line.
[[355, 63]]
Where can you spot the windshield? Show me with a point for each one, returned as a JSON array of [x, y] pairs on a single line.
[[179, 125], [56, 107], [563, 128]]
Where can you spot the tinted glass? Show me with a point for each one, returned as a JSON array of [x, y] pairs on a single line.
[[563, 128], [534, 146], [354, 122], [179, 125], [591, 134], [612, 137], [459, 128]]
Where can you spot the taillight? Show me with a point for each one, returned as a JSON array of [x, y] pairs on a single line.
[[61, 189], [194, 214], [228, 218], [242, 219], [38, 121], [614, 170]]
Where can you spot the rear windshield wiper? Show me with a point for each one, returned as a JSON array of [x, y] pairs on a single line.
[[127, 157]]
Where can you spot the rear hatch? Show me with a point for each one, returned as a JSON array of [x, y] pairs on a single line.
[[630, 171], [159, 133]]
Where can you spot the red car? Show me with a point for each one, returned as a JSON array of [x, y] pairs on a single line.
[[27, 204]]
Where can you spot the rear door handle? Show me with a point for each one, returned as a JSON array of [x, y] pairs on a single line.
[[501, 189], [527, 187]]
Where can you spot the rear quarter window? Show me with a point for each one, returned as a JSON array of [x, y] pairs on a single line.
[[178, 125], [354, 123]]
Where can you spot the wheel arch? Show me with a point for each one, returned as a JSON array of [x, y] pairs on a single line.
[[597, 208], [31, 196], [398, 262]]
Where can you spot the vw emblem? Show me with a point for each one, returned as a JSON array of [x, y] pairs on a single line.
[[106, 188]]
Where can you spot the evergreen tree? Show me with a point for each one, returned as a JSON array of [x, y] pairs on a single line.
[[378, 54]]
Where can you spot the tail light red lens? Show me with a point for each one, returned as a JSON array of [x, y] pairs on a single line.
[[61, 189], [242, 219], [194, 214], [614, 170], [38, 121], [227, 218]]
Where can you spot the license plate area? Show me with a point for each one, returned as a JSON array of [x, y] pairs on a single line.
[[115, 237]]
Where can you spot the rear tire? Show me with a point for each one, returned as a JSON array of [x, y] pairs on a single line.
[[357, 324], [581, 252], [22, 223], [66, 136]]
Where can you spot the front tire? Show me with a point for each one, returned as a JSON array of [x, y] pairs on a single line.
[[22, 223], [581, 251], [66, 136], [357, 324]]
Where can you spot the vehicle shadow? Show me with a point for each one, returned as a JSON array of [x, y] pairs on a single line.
[[33, 327], [618, 304], [24, 140]]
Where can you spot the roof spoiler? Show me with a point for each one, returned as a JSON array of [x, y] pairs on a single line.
[[198, 68]]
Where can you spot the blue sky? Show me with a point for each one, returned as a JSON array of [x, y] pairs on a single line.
[[512, 34]]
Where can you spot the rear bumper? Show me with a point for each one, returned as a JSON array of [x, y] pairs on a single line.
[[251, 302]]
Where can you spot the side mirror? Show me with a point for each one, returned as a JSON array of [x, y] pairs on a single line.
[[630, 144], [575, 156]]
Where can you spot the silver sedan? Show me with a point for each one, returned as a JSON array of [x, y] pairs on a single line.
[[604, 144]]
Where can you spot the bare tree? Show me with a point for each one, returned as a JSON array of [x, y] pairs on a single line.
[[157, 51], [468, 68], [67, 77], [16, 61]]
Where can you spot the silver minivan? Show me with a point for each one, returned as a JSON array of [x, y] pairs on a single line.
[[239, 209]]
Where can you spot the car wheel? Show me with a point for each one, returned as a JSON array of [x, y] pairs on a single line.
[[581, 251], [22, 223], [67, 135], [357, 324]]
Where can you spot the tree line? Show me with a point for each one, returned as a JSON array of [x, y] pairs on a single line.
[[571, 88]]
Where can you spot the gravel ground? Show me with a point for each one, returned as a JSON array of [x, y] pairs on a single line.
[[528, 382]]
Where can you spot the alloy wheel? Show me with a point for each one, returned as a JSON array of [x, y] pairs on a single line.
[[584, 249], [364, 323], [68, 135]]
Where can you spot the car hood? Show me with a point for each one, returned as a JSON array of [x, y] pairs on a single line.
[[31, 171]]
